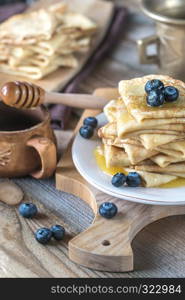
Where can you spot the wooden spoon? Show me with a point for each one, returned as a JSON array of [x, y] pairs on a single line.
[[27, 95]]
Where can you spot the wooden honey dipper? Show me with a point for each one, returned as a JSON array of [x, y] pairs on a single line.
[[28, 95]]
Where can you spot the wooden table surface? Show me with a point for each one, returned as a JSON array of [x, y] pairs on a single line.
[[159, 249]]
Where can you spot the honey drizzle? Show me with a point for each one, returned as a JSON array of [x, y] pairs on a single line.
[[100, 160]]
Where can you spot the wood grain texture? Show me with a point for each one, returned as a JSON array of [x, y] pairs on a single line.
[[106, 244], [158, 248]]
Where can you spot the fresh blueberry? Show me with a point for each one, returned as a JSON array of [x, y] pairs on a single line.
[[86, 131], [58, 232], [91, 121], [133, 179], [108, 210], [155, 98], [28, 210], [170, 93], [43, 235], [154, 84], [118, 179]]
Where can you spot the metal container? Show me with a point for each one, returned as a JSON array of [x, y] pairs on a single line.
[[169, 38]]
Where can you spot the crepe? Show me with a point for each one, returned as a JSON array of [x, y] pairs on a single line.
[[136, 153], [36, 43], [134, 97], [152, 138], [109, 131], [163, 160], [175, 146], [28, 27], [115, 157], [74, 20], [36, 72], [120, 142], [152, 141], [170, 169], [110, 110], [126, 122], [153, 180], [61, 44]]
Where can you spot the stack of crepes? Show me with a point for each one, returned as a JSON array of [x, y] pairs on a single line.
[[145, 139], [36, 43]]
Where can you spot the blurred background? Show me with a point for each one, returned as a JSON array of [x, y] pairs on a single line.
[[14, 1]]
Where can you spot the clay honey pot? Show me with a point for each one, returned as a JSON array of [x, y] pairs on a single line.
[[27, 142]]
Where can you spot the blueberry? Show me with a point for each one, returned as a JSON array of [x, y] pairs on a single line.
[[58, 232], [91, 121], [155, 98], [108, 210], [118, 179], [154, 84], [43, 235], [28, 210], [170, 93], [133, 179], [86, 131]]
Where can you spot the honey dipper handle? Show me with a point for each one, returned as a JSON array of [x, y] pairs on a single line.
[[27, 95], [83, 101]]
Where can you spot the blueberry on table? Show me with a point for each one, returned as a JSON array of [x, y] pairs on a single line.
[[108, 210], [133, 179], [43, 235], [58, 232], [170, 93], [86, 131], [91, 121], [118, 179], [154, 84], [28, 210], [155, 98]]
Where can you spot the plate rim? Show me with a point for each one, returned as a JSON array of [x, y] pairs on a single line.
[[113, 193]]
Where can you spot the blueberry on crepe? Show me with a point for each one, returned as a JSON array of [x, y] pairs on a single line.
[[154, 84], [155, 98], [171, 93], [133, 179]]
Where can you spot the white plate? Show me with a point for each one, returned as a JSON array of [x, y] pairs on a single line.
[[85, 162]]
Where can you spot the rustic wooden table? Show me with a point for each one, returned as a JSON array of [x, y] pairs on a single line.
[[158, 249]]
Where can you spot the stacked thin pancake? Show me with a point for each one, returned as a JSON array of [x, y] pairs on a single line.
[[35, 44], [149, 140]]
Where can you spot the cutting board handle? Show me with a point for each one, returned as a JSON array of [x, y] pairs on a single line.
[[106, 244]]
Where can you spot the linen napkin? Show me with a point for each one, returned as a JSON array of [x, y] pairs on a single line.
[[8, 10]]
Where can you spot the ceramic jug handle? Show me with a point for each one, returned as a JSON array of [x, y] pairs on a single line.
[[142, 48], [47, 152]]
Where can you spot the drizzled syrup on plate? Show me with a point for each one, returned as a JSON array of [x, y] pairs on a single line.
[[100, 160]]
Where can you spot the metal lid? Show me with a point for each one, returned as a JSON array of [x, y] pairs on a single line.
[[166, 11]]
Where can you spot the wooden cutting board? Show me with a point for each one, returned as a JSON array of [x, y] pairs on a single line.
[[106, 244], [97, 10]]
